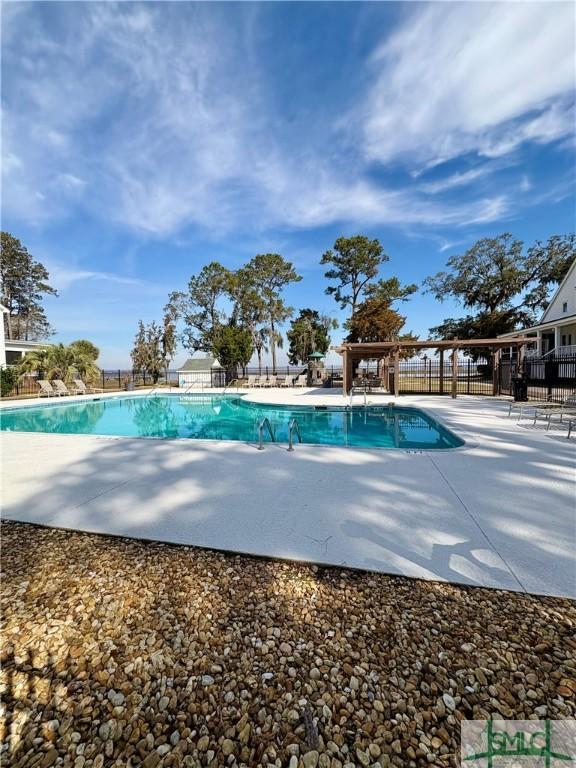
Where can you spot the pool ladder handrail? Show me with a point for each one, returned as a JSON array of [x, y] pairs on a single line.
[[294, 427], [353, 392], [264, 423], [230, 383], [194, 386]]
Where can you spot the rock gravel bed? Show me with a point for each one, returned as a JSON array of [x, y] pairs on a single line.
[[126, 653]]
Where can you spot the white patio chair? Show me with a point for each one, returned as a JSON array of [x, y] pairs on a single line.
[[46, 389]]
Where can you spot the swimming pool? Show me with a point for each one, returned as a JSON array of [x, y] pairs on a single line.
[[229, 417]]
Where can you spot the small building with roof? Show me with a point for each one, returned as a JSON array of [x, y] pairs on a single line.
[[201, 372]]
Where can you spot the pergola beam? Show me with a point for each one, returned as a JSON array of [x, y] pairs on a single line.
[[352, 353]]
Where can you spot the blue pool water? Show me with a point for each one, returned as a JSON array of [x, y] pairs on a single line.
[[229, 417]]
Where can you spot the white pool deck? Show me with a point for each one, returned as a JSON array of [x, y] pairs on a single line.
[[499, 512]]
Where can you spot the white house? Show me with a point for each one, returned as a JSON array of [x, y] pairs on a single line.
[[555, 334], [12, 351], [201, 372]]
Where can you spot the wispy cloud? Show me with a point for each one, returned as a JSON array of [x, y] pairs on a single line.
[[466, 77], [158, 117], [62, 278]]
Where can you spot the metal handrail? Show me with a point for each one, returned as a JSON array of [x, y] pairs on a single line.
[[230, 383], [193, 386], [353, 392], [151, 392], [264, 423], [293, 426]]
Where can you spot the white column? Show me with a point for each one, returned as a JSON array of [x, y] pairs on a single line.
[[557, 337], [538, 343], [2, 342]]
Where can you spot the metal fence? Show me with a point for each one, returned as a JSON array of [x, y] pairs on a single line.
[[546, 378], [428, 376]]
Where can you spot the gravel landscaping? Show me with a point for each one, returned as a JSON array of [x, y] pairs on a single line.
[[118, 652]]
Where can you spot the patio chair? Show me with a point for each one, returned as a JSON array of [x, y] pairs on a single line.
[[60, 388], [301, 381], [46, 389], [566, 408], [374, 384], [252, 380], [282, 381], [80, 388]]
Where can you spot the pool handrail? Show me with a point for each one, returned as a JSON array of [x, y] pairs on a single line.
[[294, 427], [264, 423]]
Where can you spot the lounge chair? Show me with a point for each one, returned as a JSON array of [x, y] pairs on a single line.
[[301, 381], [60, 388], [81, 389], [252, 380], [272, 380], [566, 408], [46, 389], [374, 384], [281, 381]]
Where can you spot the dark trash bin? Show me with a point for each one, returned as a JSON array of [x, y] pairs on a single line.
[[520, 389]]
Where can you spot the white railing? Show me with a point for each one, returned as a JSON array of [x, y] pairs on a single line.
[[561, 351]]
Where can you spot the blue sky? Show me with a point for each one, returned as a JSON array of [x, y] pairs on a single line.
[[143, 140]]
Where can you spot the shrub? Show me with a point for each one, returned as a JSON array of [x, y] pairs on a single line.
[[8, 380]]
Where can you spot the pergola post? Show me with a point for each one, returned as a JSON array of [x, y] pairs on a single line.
[[441, 383], [454, 373], [396, 372], [347, 372], [496, 355]]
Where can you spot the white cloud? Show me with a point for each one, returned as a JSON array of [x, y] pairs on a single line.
[[157, 117], [455, 180], [472, 77], [63, 277]]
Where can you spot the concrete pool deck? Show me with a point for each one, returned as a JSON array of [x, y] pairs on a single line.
[[498, 512]]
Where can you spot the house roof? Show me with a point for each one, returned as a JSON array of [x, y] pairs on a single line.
[[567, 276], [566, 320], [199, 364]]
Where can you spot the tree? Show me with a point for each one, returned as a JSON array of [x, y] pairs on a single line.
[[269, 274], [8, 380], [504, 284], [249, 309], [198, 307], [23, 282], [148, 353], [233, 347], [355, 263], [375, 321], [58, 361], [87, 348], [169, 339], [309, 332]]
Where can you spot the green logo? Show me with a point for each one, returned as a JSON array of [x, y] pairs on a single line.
[[534, 739]]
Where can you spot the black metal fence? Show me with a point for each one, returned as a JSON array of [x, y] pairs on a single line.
[[428, 376], [547, 378]]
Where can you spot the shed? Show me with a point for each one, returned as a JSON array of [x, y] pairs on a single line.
[[201, 372]]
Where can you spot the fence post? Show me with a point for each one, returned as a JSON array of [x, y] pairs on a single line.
[[103, 381], [468, 377], [119, 380]]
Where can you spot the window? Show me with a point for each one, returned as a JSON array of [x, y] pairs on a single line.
[[565, 307]]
